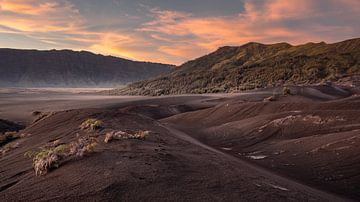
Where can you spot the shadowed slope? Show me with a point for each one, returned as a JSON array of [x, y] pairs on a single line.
[[311, 136], [8, 126], [66, 68]]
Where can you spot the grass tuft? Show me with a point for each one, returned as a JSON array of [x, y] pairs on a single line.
[[121, 135], [270, 99], [91, 124], [49, 158], [286, 91]]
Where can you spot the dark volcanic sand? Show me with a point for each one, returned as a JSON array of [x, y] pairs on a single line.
[[202, 148], [18, 105]]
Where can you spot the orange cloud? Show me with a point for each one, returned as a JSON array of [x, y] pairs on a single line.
[[27, 7], [280, 9], [207, 34], [38, 16], [61, 25], [174, 36], [262, 21], [111, 44]]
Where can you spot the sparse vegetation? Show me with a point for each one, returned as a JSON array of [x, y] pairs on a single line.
[[253, 65], [6, 141], [8, 137], [286, 91], [47, 158], [82, 146], [91, 124], [50, 157], [120, 135], [9, 127], [8, 147], [270, 99]]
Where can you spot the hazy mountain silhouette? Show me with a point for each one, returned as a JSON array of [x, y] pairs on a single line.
[[66, 68]]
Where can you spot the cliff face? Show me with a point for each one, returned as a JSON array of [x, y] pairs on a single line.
[[65, 68], [256, 65]]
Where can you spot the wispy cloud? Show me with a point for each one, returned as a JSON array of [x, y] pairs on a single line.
[[174, 36], [264, 21]]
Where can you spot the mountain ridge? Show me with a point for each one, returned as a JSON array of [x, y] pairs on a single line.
[[256, 65], [68, 68]]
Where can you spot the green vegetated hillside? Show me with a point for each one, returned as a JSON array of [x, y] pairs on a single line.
[[255, 65]]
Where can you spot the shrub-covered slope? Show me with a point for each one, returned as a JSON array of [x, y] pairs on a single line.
[[255, 65]]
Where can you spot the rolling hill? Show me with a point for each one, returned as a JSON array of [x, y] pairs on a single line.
[[255, 65], [66, 68]]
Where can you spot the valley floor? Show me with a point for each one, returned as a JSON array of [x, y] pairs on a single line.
[[220, 147]]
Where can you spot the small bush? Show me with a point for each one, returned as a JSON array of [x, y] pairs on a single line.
[[51, 157], [82, 146], [8, 137], [8, 147], [47, 158], [286, 91], [141, 134], [270, 99], [91, 124], [109, 136], [56, 143], [120, 135]]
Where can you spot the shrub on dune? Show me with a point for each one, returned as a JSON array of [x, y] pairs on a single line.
[[47, 158], [8, 137], [91, 124], [270, 99], [8, 147], [82, 146], [286, 91], [121, 135], [141, 134], [51, 157]]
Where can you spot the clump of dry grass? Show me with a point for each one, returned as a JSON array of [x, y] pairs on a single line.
[[270, 99], [51, 157], [6, 141], [82, 146], [286, 91], [47, 158], [91, 124], [8, 147], [8, 137], [121, 135]]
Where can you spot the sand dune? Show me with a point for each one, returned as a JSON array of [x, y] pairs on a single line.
[[233, 147]]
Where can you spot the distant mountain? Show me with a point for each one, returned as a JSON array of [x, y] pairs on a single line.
[[66, 68], [256, 65]]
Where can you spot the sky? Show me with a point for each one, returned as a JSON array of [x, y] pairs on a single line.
[[172, 31]]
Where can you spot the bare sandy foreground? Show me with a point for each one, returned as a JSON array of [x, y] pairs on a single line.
[[219, 147]]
